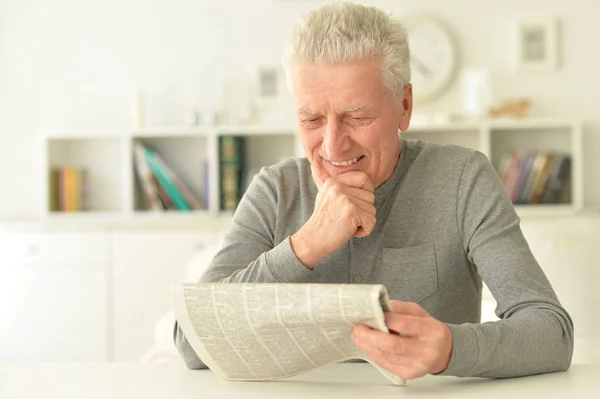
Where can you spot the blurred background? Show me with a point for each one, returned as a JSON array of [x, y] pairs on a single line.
[[130, 129]]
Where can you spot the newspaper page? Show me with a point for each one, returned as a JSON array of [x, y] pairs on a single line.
[[263, 331]]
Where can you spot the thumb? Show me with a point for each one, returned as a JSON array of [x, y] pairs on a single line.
[[357, 179]]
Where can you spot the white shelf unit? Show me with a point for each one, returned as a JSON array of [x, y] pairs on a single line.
[[497, 137], [112, 183], [192, 153]]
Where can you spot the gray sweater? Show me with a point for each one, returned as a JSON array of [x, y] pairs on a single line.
[[444, 223]]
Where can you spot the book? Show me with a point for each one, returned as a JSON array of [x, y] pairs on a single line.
[[165, 181], [162, 188], [534, 172], [178, 183], [68, 189], [231, 164], [558, 180], [54, 188], [536, 177], [522, 175], [542, 181], [146, 178]]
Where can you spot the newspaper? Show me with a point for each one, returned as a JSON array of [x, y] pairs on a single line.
[[263, 331]]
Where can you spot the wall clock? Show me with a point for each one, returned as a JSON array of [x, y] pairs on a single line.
[[433, 56]]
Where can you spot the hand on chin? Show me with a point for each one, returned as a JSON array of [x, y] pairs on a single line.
[[321, 173]]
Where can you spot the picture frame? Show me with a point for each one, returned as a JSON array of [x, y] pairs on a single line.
[[269, 82], [271, 96], [536, 45]]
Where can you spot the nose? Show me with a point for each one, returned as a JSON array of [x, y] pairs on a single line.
[[336, 141]]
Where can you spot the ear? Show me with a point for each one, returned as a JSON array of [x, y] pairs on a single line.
[[406, 108]]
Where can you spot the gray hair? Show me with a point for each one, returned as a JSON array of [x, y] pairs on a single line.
[[346, 32]]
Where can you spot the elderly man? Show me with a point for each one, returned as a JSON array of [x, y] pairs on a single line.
[[429, 222]]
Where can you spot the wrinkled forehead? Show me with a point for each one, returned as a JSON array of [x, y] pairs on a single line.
[[308, 111], [323, 74], [345, 87]]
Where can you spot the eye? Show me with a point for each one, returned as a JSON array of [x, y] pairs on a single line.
[[311, 122], [360, 119]]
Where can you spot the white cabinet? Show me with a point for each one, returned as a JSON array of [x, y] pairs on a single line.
[[145, 266], [567, 250], [98, 295], [52, 296]]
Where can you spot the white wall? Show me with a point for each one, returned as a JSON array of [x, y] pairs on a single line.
[[75, 63]]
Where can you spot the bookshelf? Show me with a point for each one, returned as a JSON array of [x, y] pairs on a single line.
[[497, 137], [113, 190]]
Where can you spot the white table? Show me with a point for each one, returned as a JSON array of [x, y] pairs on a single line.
[[149, 381]]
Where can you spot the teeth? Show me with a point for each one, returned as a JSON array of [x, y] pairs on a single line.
[[345, 163]]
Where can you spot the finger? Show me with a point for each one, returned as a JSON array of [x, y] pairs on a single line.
[[406, 325], [357, 218], [356, 179], [405, 367], [359, 193], [364, 206], [367, 226], [408, 308], [379, 343]]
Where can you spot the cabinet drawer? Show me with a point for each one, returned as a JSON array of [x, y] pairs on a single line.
[[57, 313], [54, 247]]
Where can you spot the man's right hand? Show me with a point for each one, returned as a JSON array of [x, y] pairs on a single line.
[[343, 209]]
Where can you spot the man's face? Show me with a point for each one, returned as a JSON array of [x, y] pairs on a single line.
[[348, 120]]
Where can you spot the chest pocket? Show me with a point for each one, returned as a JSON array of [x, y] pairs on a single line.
[[409, 274]]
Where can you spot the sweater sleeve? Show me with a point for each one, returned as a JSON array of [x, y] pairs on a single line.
[[535, 333], [249, 252]]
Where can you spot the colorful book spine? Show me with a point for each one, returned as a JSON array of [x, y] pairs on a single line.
[[164, 180], [165, 201], [231, 162], [54, 187], [522, 175], [542, 181], [183, 190], [560, 175], [145, 176], [537, 177], [68, 189]]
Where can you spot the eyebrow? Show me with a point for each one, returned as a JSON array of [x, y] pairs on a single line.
[[350, 109], [307, 111], [354, 108]]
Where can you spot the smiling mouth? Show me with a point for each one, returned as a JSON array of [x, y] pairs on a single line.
[[346, 162]]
